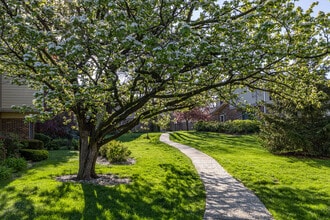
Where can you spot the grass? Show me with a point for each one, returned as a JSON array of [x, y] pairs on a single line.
[[164, 186], [291, 188]]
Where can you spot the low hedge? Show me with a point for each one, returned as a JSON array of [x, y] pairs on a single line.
[[33, 144], [34, 155], [42, 137], [229, 127]]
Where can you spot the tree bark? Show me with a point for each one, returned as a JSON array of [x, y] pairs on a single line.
[[187, 125], [87, 157]]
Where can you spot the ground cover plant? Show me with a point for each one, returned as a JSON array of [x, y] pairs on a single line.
[[290, 187], [164, 186]]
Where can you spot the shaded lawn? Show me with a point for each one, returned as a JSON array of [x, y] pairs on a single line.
[[291, 188], [164, 186]]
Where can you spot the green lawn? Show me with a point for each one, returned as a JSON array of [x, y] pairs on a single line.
[[291, 188], [164, 186]]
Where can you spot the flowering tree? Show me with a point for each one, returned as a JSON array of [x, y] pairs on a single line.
[[107, 60], [195, 114]]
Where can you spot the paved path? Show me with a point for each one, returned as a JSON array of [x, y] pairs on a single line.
[[226, 198]]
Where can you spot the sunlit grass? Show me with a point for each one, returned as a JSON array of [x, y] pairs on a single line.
[[291, 188], [164, 186]]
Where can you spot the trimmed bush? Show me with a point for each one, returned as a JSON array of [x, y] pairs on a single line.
[[57, 144], [229, 127], [210, 126], [42, 137], [33, 144], [5, 173], [16, 164], [34, 155], [115, 151], [242, 127]]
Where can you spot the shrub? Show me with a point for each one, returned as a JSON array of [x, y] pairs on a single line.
[[16, 164], [12, 144], [300, 130], [242, 127], [42, 137], [103, 150], [33, 144], [115, 151], [75, 144], [3, 151], [206, 126], [5, 173], [229, 127], [57, 144], [34, 155]]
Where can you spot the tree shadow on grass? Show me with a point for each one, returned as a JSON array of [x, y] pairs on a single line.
[[293, 203], [56, 158], [178, 196], [23, 208], [171, 199]]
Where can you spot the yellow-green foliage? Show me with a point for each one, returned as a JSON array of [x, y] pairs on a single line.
[[115, 151]]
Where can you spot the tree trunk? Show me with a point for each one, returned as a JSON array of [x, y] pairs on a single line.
[[87, 157], [187, 125]]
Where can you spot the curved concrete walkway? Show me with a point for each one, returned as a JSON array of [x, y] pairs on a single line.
[[226, 198]]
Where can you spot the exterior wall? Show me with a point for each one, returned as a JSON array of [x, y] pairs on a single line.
[[181, 126], [11, 121], [226, 113], [17, 126], [14, 95], [251, 97]]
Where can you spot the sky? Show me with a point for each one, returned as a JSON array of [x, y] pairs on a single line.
[[324, 5]]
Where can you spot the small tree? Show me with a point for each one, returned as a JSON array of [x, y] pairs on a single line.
[[193, 115]]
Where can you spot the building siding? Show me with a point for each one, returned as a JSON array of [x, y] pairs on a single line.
[[14, 95], [11, 121]]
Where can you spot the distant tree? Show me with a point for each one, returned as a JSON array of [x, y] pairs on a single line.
[[107, 60], [193, 115]]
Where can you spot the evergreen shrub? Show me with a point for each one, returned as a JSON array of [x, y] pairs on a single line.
[[34, 155], [33, 144], [42, 137], [299, 131], [58, 143], [3, 151], [5, 173], [12, 145], [75, 144], [229, 127], [16, 164]]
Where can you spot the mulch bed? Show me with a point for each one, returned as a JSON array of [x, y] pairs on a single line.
[[103, 179]]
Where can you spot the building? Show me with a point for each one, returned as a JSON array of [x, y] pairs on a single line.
[[12, 121], [234, 110]]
